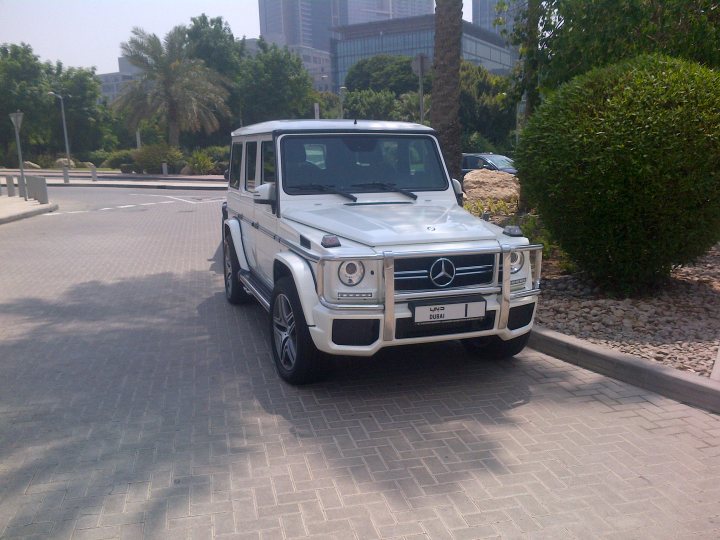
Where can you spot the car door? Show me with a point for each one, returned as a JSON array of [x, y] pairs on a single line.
[[266, 214], [240, 200]]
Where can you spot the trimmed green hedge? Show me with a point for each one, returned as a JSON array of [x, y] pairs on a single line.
[[623, 164]]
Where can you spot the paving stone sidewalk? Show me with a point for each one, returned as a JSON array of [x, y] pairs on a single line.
[[135, 402]]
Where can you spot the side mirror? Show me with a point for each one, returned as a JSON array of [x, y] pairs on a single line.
[[265, 194], [457, 188], [226, 174]]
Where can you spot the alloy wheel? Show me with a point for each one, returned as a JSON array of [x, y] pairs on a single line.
[[284, 331]]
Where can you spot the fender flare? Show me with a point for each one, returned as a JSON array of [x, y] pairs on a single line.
[[233, 225], [304, 279]]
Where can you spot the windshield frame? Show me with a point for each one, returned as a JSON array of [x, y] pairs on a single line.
[[434, 147]]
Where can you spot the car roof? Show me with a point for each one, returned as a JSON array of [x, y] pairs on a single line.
[[304, 126], [481, 154]]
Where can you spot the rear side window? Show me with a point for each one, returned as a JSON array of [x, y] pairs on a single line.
[[235, 164], [250, 159]]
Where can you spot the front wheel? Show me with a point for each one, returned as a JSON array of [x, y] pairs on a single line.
[[295, 355], [494, 348]]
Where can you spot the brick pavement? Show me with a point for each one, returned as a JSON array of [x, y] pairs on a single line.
[[134, 401]]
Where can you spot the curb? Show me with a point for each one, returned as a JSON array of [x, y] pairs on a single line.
[[669, 382], [45, 209], [144, 186]]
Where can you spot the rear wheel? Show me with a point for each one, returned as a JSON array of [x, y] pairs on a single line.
[[234, 291], [295, 355], [494, 348]]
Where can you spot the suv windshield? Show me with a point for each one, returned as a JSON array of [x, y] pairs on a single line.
[[361, 164]]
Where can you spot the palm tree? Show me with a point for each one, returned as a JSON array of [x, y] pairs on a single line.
[[177, 89], [446, 81]]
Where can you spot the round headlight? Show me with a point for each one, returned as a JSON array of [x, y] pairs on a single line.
[[517, 260], [351, 273]]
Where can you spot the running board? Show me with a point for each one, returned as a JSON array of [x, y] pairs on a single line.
[[256, 287]]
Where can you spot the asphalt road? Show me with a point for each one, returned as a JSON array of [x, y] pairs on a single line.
[[134, 401]]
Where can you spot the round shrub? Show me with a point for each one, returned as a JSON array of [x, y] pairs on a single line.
[[623, 164], [200, 162], [150, 157], [117, 158]]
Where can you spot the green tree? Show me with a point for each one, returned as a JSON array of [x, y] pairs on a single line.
[[212, 41], [559, 39], [179, 90], [446, 85], [486, 106], [369, 105], [24, 85], [21, 88], [88, 122], [329, 104], [274, 84], [594, 33], [385, 72], [407, 107]]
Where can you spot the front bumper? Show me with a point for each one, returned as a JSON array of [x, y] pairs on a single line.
[[509, 314]]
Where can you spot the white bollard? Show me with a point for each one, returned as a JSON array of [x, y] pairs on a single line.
[[93, 173], [22, 188], [164, 169], [37, 189], [66, 176], [10, 185]]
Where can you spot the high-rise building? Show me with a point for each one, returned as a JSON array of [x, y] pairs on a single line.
[[485, 14], [361, 11], [114, 84], [411, 36], [304, 26], [296, 22], [307, 23]]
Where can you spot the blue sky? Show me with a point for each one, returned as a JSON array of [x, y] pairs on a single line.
[[85, 33]]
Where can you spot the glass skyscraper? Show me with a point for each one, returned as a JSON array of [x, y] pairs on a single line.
[[485, 14], [307, 23], [410, 36]]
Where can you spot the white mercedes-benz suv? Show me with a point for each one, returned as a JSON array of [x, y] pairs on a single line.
[[350, 235]]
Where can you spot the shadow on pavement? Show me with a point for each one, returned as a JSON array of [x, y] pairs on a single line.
[[151, 395]]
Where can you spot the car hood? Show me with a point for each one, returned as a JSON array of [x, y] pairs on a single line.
[[384, 225]]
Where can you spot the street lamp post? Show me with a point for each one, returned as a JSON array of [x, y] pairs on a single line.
[[62, 112], [17, 118]]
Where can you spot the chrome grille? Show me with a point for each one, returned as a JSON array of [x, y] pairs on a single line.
[[413, 274]]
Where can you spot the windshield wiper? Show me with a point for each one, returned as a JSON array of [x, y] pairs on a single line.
[[388, 187], [324, 189]]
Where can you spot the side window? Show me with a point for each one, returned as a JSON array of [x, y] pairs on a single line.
[[235, 164], [268, 161], [250, 159]]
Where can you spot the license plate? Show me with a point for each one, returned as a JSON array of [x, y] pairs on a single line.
[[449, 312]]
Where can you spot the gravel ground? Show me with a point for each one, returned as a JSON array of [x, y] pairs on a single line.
[[679, 326]]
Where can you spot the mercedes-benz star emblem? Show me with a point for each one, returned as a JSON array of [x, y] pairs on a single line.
[[442, 272]]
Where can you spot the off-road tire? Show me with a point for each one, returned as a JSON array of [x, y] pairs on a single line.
[[296, 358]]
